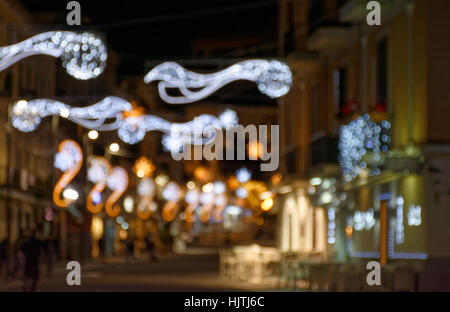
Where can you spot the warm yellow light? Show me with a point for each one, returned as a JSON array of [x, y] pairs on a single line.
[[70, 194], [97, 227], [20, 107], [161, 180], [208, 187], [93, 135], [114, 147], [123, 234], [190, 185], [276, 178], [267, 204], [143, 167], [255, 150], [64, 113]]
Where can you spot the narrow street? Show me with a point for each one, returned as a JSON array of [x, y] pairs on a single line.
[[189, 272]]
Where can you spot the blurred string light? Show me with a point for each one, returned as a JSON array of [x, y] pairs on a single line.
[[331, 225], [243, 175], [356, 139], [192, 198], [207, 198], [128, 204], [93, 135], [414, 215], [117, 182], [363, 220], [273, 79], [97, 173], [132, 130], [114, 147], [83, 55], [147, 191], [172, 194], [27, 115], [399, 227], [69, 159], [143, 167]]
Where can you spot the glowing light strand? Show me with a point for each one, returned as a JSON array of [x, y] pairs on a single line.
[[98, 173], [356, 140], [27, 115], [83, 55], [273, 78], [69, 159]]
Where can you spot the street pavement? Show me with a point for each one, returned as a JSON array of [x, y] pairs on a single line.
[[186, 272]]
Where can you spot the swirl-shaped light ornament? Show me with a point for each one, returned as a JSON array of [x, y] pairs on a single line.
[[147, 191], [98, 173], [118, 182], [273, 79], [69, 159], [27, 115], [172, 194], [83, 55], [192, 198], [133, 129]]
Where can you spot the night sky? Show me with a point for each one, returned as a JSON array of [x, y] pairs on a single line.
[[141, 31]]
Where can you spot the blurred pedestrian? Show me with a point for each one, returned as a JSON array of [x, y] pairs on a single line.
[[151, 248], [101, 248], [31, 250], [130, 249]]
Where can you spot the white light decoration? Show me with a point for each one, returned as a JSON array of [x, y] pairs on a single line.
[[97, 173], [414, 215], [399, 227], [171, 192], [357, 139], [107, 115], [363, 220], [146, 206], [132, 130], [243, 175], [241, 192], [331, 225], [27, 115], [273, 79], [118, 182], [70, 194], [83, 55]]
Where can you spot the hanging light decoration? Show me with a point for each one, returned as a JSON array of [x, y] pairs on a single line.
[[83, 55], [27, 115], [98, 173], [356, 140], [117, 182], [69, 159], [192, 198], [146, 191], [172, 194], [273, 79], [143, 167]]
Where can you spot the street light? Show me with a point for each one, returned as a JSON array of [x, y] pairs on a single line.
[[70, 194], [114, 147], [93, 135]]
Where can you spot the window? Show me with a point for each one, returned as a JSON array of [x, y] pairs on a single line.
[[382, 74]]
